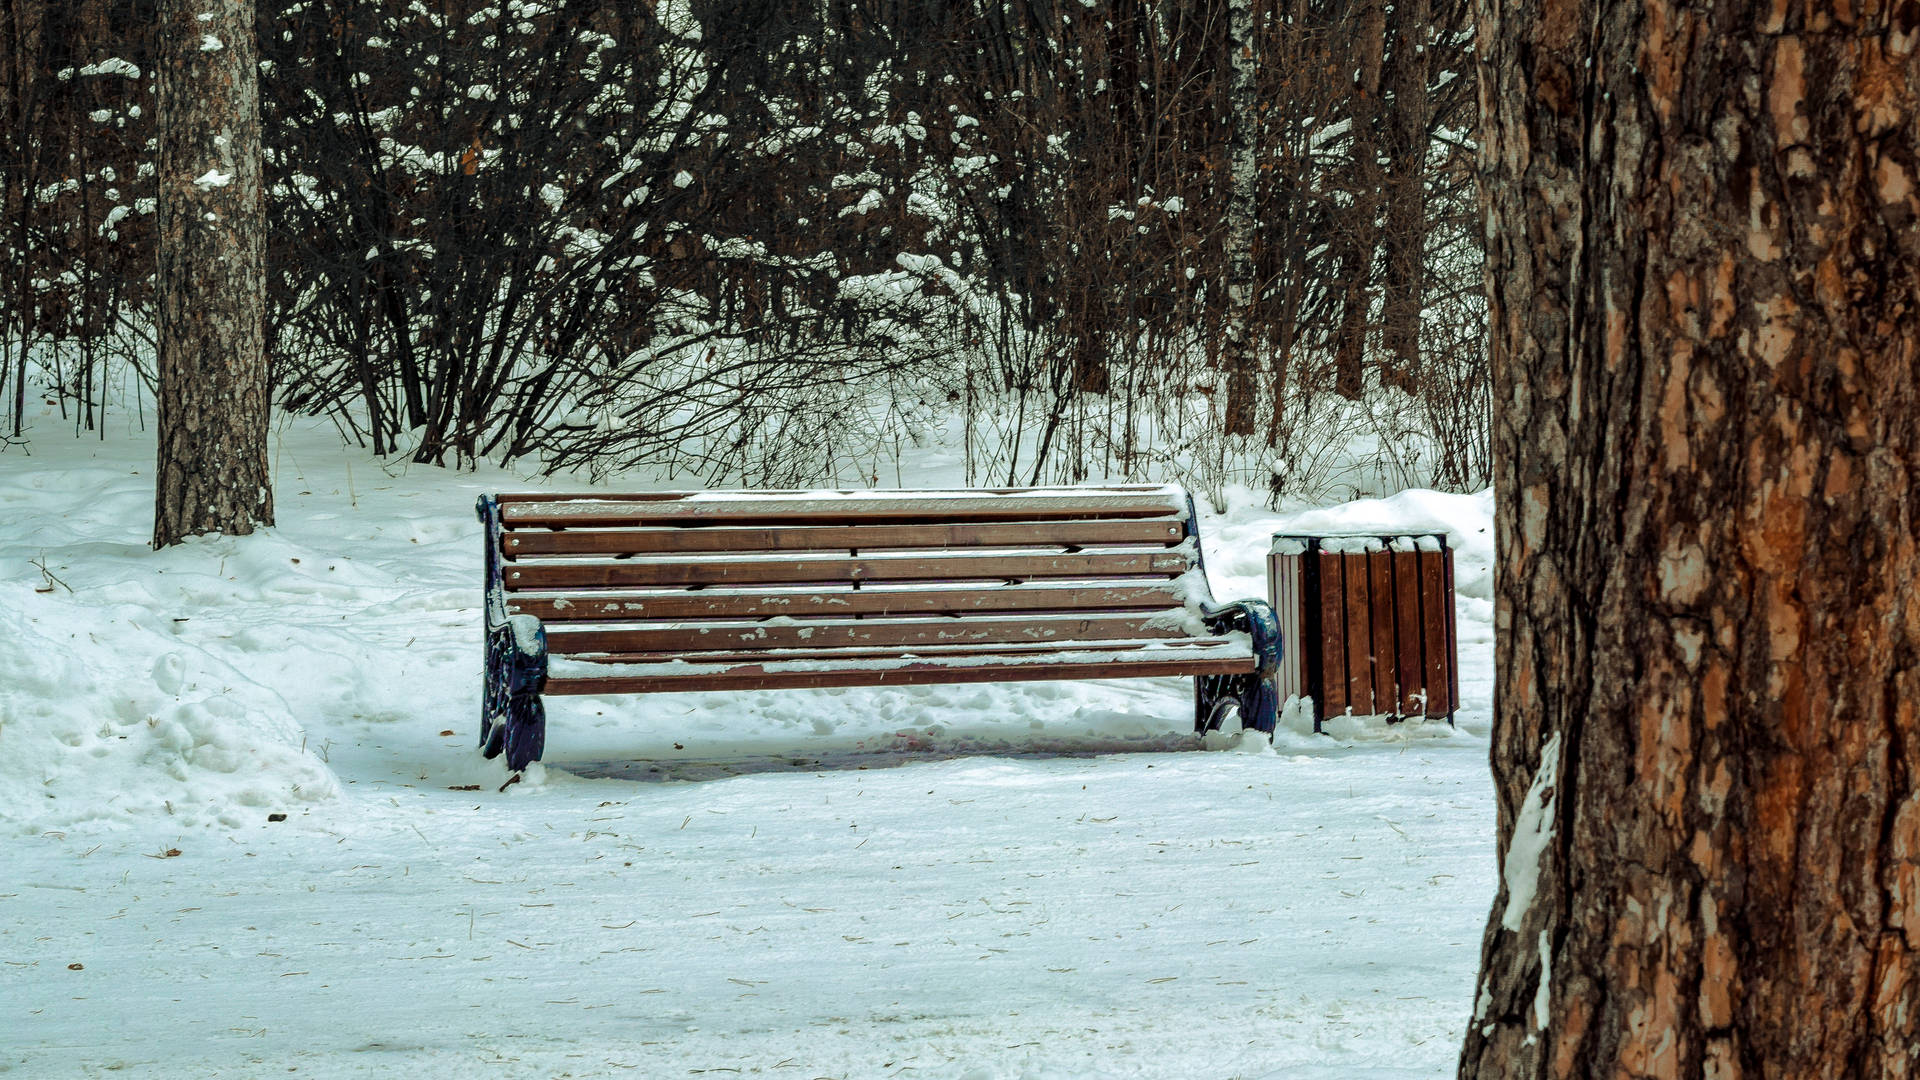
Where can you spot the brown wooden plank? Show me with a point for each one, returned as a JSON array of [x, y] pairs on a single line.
[[899, 634], [1284, 593], [1359, 636], [1408, 662], [1333, 635], [920, 673], [840, 600], [579, 496], [1434, 602], [808, 570], [667, 496], [869, 508], [1220, 646], [661, 540], [1452, 657], [1386, 688]]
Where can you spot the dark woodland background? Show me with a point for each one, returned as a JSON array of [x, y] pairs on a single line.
[[775, 242]]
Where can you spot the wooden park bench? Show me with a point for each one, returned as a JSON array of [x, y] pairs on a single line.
[[759, 590]]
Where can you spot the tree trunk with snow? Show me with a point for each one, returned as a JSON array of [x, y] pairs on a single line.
[[1359, 233], [1405, 241], [22, 109], [1704, 270], [1238, 356], [212, 474]]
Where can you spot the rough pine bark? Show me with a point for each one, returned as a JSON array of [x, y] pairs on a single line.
[[212, 474], [1703, 225]]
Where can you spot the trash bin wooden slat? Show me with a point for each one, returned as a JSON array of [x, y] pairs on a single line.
[[1409, 660], [1359, 641], [1332, 632]]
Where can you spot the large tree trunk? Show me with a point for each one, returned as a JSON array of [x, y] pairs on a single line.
[[212, 474], [1704, 268]]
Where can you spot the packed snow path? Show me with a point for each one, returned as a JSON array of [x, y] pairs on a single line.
[[1014, 881]]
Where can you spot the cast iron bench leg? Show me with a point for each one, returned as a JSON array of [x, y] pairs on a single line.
[[512, 717]]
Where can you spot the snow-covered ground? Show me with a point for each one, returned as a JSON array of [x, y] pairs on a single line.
[[1016, 881]]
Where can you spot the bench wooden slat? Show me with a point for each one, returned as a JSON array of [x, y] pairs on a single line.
[[830, 509], [841, 600], [1195, 647], [775, 676], [1164, 490], [901, 633], [802, 571], [658, 540]]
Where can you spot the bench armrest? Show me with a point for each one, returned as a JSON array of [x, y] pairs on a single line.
[[1256, 619], [529, 642], [516, 642]]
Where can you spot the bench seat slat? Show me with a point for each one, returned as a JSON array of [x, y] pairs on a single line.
[[843, 600], [1190, 647], [831, 508], [575, 677], [801, 571], [1158, 490], [660, 540], [900, 633]]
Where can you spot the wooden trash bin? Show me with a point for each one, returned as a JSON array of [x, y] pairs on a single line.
[[1367, 623]]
